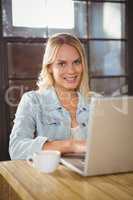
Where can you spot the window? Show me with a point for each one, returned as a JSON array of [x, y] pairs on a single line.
[[107, 47], [43, 13]]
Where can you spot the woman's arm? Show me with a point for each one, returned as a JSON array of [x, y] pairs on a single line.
[[22, 141], [66, 146]]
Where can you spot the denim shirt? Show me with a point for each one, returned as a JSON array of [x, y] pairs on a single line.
[[41, 117]]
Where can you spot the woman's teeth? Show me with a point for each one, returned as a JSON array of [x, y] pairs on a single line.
[[70, 78]]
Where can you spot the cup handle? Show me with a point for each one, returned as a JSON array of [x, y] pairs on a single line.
[[30, 161]]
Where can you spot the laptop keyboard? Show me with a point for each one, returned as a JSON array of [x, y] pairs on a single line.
[[77, 162], [74, 155]]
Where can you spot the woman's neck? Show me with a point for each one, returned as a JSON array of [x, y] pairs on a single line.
[[69, 100], [66, 94]]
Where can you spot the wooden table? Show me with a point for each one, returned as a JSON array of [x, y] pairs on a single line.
[[20, 181]]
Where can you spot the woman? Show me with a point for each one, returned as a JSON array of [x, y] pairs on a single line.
[[55, 116]]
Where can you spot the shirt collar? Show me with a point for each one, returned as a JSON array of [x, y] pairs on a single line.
[[52, 101], [82, 104]]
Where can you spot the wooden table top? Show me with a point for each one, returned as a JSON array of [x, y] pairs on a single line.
[[63, 184]]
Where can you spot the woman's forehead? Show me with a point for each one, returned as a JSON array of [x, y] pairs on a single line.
[[67, 51]]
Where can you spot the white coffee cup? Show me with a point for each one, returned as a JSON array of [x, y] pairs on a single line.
[[45, 161]]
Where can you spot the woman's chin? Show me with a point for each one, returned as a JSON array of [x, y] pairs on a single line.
[[71, 86], [68, 85]]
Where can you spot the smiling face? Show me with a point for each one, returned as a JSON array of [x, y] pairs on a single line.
[[67, 68]]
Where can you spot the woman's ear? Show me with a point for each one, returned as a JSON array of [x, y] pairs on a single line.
[[50, 69]]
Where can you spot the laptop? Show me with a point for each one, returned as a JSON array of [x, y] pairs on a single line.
[[109, 141]]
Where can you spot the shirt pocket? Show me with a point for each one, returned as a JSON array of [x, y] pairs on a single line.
[[53, 127], [51, 120]]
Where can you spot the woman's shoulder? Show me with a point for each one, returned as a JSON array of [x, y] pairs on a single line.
[[36, 96], [93, 94], [33, 101], [86, 99], [30, 97], [29, 94]]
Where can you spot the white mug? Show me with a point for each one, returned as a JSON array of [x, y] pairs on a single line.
[[45, 161]]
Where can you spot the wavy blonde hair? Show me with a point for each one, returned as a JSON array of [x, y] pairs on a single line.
[[53, 45]]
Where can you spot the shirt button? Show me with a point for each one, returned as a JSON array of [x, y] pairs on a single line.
[[83, 124], [84, 109]]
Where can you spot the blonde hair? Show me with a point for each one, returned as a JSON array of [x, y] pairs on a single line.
[[54, 43]]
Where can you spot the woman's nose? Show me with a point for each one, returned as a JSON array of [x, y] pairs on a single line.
[[70, 68]]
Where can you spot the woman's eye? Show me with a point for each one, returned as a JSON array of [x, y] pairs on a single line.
[[77, 62], [62, 64]]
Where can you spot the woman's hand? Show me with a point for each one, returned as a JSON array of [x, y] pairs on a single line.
[[78, 146], [66, 146]]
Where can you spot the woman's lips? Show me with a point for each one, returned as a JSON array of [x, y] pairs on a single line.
[[71, 79]]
